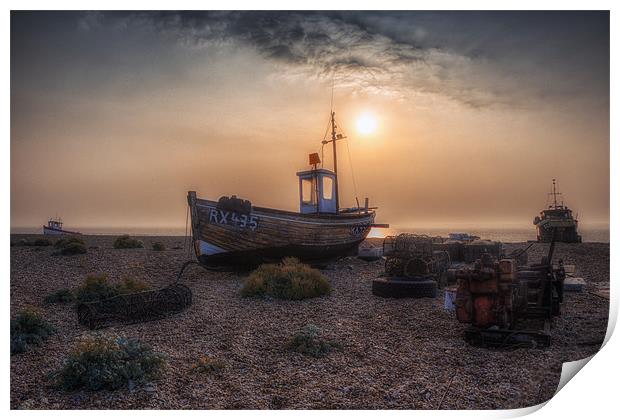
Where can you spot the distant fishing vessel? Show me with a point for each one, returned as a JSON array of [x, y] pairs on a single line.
[[232, 231], [54, 227], [556, 217]]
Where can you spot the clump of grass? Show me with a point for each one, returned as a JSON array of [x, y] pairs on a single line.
[[208, 366], [130, 285], [309, 341], [63, 242], [60, 296], [111, 363], [33, 242], [28, 328], [126, 242], [97, 287], [158, 246], [72, 245], [73, 248], [290, 280]]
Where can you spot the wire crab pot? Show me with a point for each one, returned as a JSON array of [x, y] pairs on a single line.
[[135, 307]]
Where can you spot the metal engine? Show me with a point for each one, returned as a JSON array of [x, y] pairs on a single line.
[[509, 305]]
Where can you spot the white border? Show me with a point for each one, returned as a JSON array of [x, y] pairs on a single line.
[[593, 394]]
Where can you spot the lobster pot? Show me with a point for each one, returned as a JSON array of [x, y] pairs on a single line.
[[473, 251], [135, 307], [453, 248], [407, 244]]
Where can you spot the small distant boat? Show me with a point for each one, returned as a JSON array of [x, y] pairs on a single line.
[[232, 231], [459, 236], [54, 227], [558, 218]]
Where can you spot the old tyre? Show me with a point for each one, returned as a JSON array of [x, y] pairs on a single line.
[[392, 287]]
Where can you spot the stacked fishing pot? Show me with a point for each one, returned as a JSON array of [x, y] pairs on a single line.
[[412, 268], [474, 250]]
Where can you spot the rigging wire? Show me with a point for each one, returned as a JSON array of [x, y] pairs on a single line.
[[352, 174], [323, 142], [350, 166], [331, 109]]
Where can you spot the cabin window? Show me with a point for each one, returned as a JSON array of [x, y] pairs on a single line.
[[308, 191], [328, 188]]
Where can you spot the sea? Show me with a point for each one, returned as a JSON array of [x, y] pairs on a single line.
[[599, 234]]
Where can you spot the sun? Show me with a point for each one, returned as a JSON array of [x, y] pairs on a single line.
[[366, 124]]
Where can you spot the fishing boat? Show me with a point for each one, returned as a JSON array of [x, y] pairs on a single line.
[[232, 231], [556, 218], [54, 227]]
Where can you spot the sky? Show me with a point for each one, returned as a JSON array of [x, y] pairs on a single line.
[[116, 115]]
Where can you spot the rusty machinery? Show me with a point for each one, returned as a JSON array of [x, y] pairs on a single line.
[[508, 305]]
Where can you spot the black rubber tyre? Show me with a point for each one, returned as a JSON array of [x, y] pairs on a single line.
[[397, 288]]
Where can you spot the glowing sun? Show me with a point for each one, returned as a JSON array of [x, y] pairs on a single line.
[[366, 124]]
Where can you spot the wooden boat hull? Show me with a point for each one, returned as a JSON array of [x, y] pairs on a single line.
[[49, 231], [226, 237]]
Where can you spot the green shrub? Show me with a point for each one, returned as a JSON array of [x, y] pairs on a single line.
[[73, 248], [308, 341], [208, 366], [59, 296], [28, 328], [96, 287], [72, 245], [109, 363], [33, 242], [126, 241], [63, 242], [289, 280], [158, 246], [130, 285]]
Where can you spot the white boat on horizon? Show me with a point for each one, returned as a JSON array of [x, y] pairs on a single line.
[[54, 227]]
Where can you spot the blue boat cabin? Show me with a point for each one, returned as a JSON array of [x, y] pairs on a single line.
[[317, 191]]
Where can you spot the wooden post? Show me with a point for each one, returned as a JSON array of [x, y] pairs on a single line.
[[191, 200]]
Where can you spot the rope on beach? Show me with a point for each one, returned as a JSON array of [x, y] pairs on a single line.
[[187, 242]]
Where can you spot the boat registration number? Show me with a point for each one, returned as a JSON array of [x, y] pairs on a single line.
[[359, 230], [232, 218]]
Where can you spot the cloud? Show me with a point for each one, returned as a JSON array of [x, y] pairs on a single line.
[[476, 59], [325, 46]]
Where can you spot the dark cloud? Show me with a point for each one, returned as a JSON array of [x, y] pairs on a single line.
[[475, 58]]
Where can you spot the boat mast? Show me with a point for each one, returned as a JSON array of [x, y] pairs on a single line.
[[335, 158]]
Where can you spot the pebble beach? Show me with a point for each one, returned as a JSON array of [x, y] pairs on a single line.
[[396, 353]]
